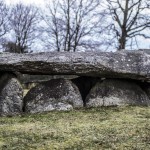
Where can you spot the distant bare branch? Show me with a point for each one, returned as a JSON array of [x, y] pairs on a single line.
[[23, 21], [131, 18], [70, 23]]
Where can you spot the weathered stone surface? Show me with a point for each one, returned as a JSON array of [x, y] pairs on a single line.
[[148, 92], [146, 88], [11, 95], [26, 78], [56, 94], [125, 64], [113, 92]]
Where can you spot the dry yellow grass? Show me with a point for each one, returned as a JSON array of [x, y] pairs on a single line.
[[113, 128]]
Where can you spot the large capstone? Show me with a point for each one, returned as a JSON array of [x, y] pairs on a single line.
[[121, 64], [56, 94], [115, 92], [11, 95]]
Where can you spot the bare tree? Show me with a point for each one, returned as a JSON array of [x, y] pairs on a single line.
[[71, 24], [12, 47], [130, 19], [3, 19], [23, 22]]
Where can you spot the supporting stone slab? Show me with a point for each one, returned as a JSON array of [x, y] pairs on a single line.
[[11, 95]]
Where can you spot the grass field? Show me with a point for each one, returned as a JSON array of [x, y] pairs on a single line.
[[112, 128]]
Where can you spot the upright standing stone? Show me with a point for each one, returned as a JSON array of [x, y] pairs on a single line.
[[56, 94], [115, 92], [11, 95], [146, 88]]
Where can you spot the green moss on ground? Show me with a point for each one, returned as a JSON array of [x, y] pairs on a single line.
[[112, 128]]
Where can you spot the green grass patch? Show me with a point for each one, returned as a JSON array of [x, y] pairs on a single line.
[[112, 128]]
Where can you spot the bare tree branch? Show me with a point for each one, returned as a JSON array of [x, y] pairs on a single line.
[[23, 21], [3, 18], [131, 18], [71, 22]]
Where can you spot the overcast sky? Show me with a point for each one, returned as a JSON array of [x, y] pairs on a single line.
[[37, 2], [143, 43]]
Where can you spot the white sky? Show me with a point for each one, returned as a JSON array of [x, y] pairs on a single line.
[[143, 43], [37, 2]]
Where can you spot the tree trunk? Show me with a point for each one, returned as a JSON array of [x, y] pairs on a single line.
[[122, 43]]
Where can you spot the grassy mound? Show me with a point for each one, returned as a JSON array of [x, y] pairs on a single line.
[[112, 128]]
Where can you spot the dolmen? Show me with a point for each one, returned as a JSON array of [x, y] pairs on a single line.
[[102, 79]]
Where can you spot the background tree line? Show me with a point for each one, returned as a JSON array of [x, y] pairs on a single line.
[[74, 25]]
